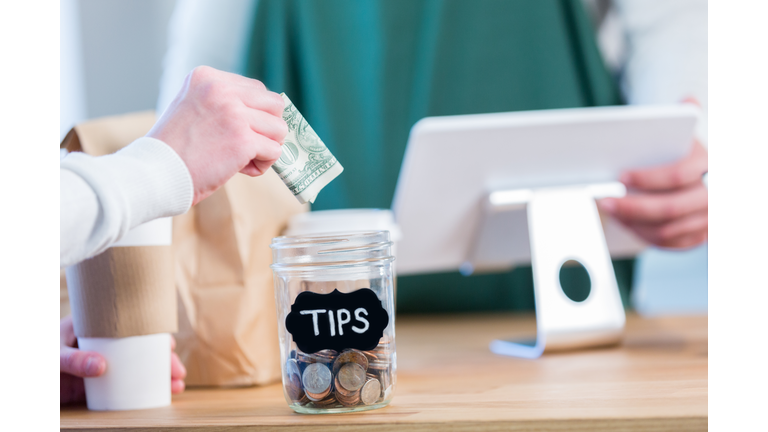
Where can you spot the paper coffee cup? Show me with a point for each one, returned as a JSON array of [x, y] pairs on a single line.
[[138, 373], [124, 308]]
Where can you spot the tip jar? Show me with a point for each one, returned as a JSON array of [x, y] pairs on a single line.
[[335, 309]]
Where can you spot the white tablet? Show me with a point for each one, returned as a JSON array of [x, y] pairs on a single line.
[[453, 163]]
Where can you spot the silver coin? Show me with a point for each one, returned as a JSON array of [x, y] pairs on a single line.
[[317, 378], [352, 376], [292, 368], [370, 392]]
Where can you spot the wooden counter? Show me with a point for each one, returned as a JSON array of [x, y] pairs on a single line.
[[656, 380]]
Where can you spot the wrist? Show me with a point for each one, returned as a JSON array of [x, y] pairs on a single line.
[[144, 181]]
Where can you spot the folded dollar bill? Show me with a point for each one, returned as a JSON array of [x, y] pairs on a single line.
[[306, 165]]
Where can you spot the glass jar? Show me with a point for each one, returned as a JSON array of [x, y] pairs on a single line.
[[336, 320]]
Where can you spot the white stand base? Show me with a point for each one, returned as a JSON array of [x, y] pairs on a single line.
[[564, 225], [138, 373]]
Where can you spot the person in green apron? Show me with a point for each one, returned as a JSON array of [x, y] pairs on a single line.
[[363, 72]]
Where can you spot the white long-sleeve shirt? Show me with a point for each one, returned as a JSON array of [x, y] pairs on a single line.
[[103, 197], [659, 49]]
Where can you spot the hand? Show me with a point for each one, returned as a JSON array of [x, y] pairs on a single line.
[[221, 123], [666, 206], [76, 365]]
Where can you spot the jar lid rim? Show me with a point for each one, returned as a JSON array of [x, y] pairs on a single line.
[[327, 238], [330, 264]]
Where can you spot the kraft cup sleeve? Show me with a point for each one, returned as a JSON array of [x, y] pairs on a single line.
[[125, 291]]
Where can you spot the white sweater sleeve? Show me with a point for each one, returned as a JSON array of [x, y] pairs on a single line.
[[102, 198], [667, 52]]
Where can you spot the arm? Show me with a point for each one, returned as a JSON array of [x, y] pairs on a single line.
[[218, 125], [102, 198], [666, 62]]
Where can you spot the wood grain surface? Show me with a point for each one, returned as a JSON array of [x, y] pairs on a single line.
[[448, 380]]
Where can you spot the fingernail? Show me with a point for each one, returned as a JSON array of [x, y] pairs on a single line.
[[92, 366], [607, 205]]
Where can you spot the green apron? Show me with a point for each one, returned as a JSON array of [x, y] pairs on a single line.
[[362, 72]]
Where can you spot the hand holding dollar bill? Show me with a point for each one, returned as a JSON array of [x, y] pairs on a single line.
[[305, 165]]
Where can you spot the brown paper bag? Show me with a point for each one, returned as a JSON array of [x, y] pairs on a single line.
[[227, 318]]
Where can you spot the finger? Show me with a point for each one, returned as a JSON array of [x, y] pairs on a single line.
[[256, 168], [268, 125], [657, 207], [264, 154], [242, 80], [177, 386], [67, 332], [686, 241], [71, 389], [253, 93], [266, 101], [668, 177], [81, 363], [206, 74], [660, 234], [178, 371], [251, 170]]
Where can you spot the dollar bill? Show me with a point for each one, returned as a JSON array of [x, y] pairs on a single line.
[[306, 165]]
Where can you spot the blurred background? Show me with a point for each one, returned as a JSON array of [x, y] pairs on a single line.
[[111, 57], [113, 54]]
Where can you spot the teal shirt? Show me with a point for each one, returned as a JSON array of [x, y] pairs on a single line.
[[363, 72]]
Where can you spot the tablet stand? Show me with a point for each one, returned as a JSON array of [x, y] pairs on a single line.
[[564, 224]]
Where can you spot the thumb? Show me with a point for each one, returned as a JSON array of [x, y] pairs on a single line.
[[81, 363]]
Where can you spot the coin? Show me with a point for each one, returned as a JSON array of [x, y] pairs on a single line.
[[305, 359], [328, 354], [340, 389], [388, 392], [316, 379], [382, 353], [370, 355], [324, 356], [351, 376], [370, 392], [350, 400], [378, 365], [385, 379], [293, 388], [326, 402], [317, 396], [350, 356], [292, 368]]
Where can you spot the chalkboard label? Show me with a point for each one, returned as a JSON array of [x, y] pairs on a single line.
[[337, 321]]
